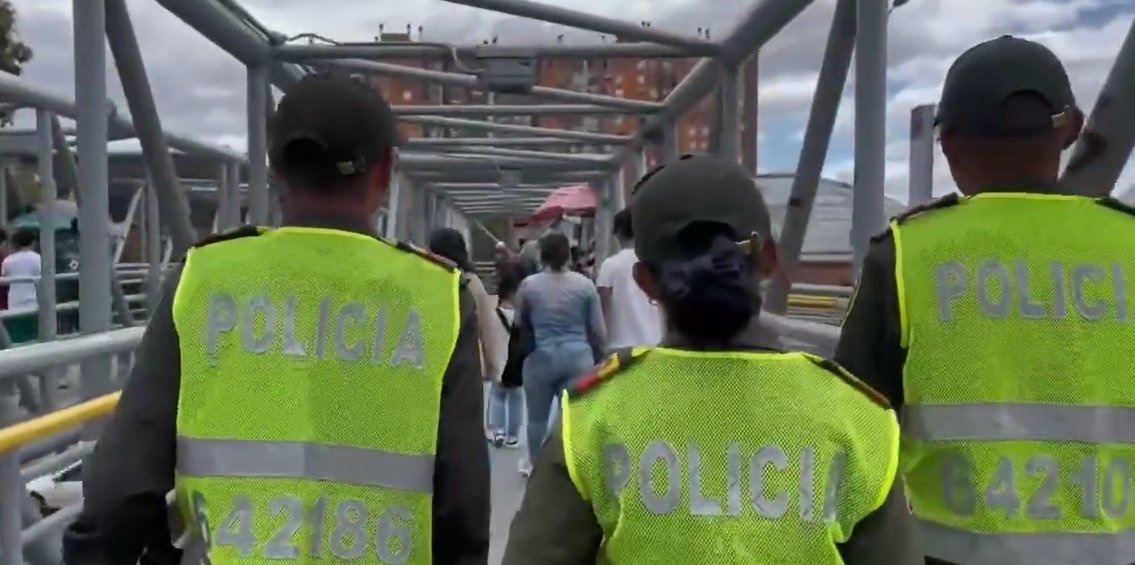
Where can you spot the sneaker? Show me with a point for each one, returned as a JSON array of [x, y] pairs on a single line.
[[498, 440], [525, 468], [512, 442]]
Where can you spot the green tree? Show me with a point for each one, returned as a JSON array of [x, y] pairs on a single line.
[[13, 52]]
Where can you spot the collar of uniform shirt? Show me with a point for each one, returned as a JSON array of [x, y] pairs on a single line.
[[332, 221], [1033, 188], [753, 337]]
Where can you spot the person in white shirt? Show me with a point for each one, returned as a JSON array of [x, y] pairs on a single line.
[[23, 263], [632, 320]]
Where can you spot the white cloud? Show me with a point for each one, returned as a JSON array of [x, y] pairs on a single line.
[[926, 36], [787, 92]]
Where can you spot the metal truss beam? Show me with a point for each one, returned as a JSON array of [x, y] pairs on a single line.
[[490, 186], [489, 173], [441, 142], [1101, 154], [458, 123], [418, 51], [484, 163], [17, 90], [624, 31], [760, 24], [471, 81], [466, 110], [220, 26], [585, 158]]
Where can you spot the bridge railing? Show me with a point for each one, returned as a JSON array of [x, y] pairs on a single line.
[[46, 444]]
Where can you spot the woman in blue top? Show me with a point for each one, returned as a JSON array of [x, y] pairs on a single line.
[[560, 309]]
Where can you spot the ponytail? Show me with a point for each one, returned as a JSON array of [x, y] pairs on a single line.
[[710, 296]]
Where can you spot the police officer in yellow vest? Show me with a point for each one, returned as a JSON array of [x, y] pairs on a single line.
[[314, 388], [714, 447], [1001, 323]]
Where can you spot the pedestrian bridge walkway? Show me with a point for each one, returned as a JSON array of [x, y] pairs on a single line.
[[54, 393], [49, 415]]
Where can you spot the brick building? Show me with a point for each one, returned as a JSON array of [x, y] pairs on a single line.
[[638, 79], [632, 78], [400, 90]]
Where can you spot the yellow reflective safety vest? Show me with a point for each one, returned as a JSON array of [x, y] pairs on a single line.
[[727, 457], [1018, 315], [311, 373]]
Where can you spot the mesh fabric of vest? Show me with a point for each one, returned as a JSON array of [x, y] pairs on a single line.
[[273, 396], [975, 358], [714, 401]]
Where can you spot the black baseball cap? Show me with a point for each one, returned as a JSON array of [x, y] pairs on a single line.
[[345, 118], [695, 188], [986, 76]]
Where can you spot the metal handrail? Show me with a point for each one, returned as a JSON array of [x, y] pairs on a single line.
[[22, 532], [821, 338], [18, 435], [806, 289], [803, 301], [20, 361], [74, 275], [64, 307]]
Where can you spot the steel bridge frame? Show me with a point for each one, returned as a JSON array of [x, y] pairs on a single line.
[[420, 198], [451, 181]]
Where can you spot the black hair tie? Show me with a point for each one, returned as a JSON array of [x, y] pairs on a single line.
[[721, 263]]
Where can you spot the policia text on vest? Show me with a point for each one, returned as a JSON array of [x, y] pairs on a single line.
[[1018, 412], [1000, 288], [660, 473], [308, 406], [744, 487], [343, 329]]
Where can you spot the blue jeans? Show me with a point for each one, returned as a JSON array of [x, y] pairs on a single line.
[[506, 410], [547, 372]]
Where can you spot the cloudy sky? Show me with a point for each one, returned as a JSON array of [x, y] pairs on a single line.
[[200, 89]]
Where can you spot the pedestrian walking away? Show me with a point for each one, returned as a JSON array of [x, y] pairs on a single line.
[[309, 373], [993, 322], [506, 400], [450, 244], [561, 310], [632, 318], [713, 447]]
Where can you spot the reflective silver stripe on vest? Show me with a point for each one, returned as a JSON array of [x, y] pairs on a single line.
[[1025, 422], [286, 459], [960, 546]]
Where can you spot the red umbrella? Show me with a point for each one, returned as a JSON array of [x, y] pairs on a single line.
[[567, 200]]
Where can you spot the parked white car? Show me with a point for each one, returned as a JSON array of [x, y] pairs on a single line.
[[59, 490]]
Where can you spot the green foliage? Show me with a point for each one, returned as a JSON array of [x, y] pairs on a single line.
[[13, 52], [23, 184]]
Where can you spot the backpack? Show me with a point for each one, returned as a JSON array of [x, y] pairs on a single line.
[[512, 376]]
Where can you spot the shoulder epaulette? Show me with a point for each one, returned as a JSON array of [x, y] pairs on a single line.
[[424, 254], [231, 234], [936, 204], [881, 235], [846, 376], [1116, 204], [616, 362]]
